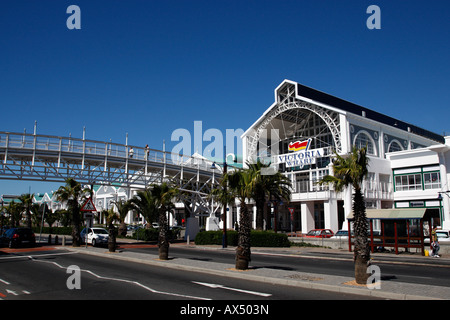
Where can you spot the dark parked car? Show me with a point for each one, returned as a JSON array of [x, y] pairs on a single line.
[[16, 237]]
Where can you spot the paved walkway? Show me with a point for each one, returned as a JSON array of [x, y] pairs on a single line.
[[387, 289]]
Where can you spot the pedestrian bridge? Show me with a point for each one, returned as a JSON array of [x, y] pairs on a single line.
[[51, 158]]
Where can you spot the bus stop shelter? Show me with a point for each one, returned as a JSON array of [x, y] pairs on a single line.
[[399, 228]]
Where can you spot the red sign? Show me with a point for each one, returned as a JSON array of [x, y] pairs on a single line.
[[88, 206], [292, 210]]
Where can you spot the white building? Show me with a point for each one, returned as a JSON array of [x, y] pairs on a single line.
[[420, 180], [320, 123]]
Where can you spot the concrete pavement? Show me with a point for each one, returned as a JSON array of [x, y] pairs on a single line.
[[387, 289]]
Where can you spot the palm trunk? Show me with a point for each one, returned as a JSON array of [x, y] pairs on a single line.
[[112, 238], [267, 216], [28, 218], [243, 253], [76, 239], [362, 250], [260, 214], [163, 241]]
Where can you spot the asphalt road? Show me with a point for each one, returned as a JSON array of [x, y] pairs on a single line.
[[47, 275], [393, 268]]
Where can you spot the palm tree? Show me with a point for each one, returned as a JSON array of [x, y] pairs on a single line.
[[111, 216], [14, 210], [36, 213], [122, 209], [265, 186], [163, 196], [351, 170], [226, 197], [144, 203], [72, 193], [240, 182], [27, 200]]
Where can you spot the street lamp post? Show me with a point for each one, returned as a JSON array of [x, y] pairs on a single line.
[[224, 235], [224, 167]]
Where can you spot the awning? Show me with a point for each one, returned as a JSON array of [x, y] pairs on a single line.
[[410, 213]]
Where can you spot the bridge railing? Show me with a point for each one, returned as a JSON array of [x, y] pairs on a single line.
[[65, 145]]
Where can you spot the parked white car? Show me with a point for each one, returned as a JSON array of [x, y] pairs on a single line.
[[442, 235], [341, 234], [95, 236]]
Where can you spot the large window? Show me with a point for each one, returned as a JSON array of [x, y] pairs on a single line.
[[316, 176], [420, 178], [408, 182], [432, 180], [395, 146], [362, 140]]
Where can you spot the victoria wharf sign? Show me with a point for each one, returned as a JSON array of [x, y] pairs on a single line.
[[304, 156]]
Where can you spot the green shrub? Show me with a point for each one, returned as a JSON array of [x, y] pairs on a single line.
[[258, 238], [152, 234], [54, 230], [269, 239], [146, 234], [215, 237]]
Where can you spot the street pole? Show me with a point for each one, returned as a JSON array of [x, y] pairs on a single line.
[[42, 222], [224, 237]]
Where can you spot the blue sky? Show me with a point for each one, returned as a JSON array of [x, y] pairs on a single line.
[[147, 67]]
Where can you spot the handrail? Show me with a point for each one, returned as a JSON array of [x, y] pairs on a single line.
[[39, 142]]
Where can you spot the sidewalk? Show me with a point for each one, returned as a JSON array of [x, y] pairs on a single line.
[[388, 289]]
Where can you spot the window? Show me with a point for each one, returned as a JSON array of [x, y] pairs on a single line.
[[432, 180], [408, 182], [316, 176], [362, 140], [395, 146], [369, 182]]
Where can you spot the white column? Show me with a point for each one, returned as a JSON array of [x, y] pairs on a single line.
[[307, 209], [253, 210], [331, 214], [348, 205], [345, 133]]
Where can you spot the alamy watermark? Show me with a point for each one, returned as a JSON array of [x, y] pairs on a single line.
[[74, 20], [74, 280], [265, 147], [374, 279], [374, 20]]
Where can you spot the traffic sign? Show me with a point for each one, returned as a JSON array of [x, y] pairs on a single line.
[[292, 210], [88, 206]]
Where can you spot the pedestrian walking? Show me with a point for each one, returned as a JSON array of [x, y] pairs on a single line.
[[131, 152]]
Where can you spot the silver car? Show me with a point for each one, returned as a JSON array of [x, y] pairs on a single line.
[[95, 236]]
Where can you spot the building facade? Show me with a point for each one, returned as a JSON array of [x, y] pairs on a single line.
[[420, 180], [299, 133]]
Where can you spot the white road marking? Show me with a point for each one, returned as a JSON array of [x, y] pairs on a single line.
[[219, 286], [12, 292], [38, 255], [123, 280]]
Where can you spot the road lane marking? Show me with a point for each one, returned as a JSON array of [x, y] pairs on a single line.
[[37, 255], [123, 280], [220, 286], [12, 292]]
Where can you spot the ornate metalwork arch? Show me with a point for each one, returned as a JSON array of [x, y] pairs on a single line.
[[331, 121]]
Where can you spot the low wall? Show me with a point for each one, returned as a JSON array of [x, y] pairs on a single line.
[[343, 244]]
